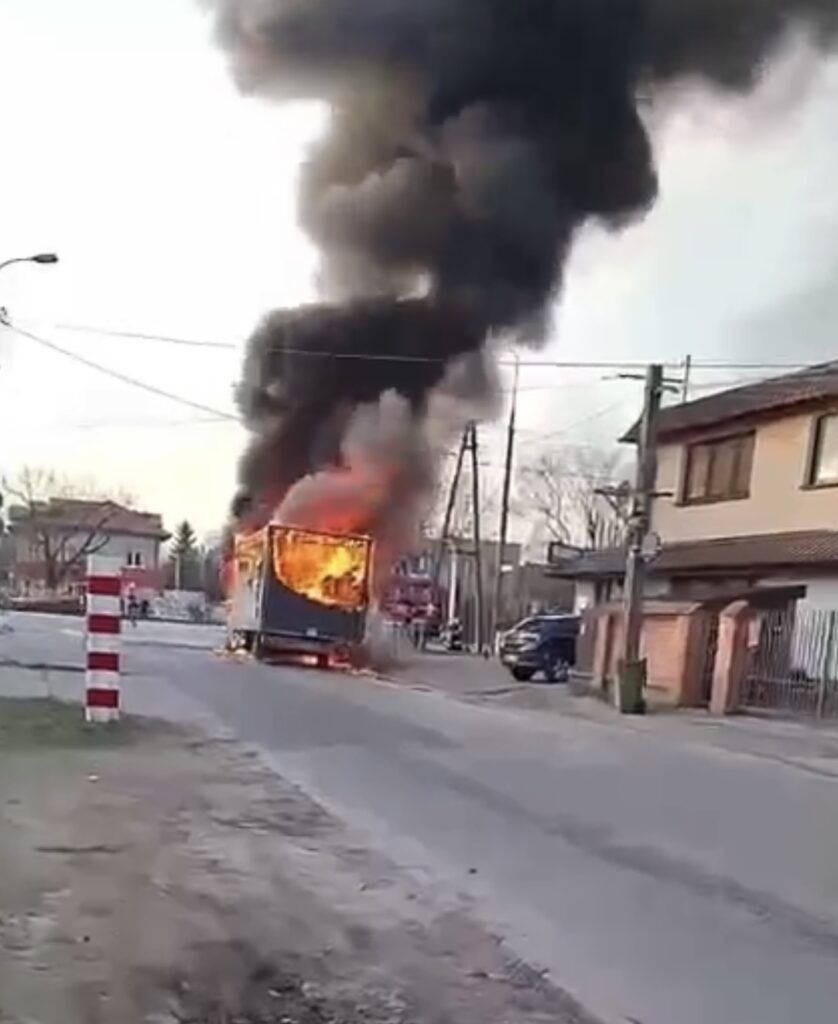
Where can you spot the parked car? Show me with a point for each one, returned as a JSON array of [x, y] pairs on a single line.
[[543, 643]]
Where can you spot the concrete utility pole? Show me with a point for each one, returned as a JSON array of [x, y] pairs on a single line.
[[685, 386], [452, 501], [628, 694], [478, 553], [453, 582], [504, 508]]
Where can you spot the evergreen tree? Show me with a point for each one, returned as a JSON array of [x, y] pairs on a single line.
[[184, 560]]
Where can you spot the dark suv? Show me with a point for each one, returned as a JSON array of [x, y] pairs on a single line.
[[543, 643]]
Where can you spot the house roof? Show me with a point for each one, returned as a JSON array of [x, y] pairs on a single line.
[[107, 516], [755, 552], [804, 386]]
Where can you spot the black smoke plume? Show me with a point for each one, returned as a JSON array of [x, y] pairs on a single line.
[[307, 370], [468, 141]]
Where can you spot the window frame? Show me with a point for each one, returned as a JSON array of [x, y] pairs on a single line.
[[711, 443], [815, 437]]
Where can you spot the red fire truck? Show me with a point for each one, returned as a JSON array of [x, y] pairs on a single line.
[[412, 599]]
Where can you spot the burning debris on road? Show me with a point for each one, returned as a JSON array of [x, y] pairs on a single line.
[[469, 140]]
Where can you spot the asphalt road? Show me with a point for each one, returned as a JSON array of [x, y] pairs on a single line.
[[656, 881]]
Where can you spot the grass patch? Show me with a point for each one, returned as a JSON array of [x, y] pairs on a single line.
[[45, 722]]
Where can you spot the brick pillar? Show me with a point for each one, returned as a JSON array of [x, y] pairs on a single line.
[[603, 622], [731, 658]]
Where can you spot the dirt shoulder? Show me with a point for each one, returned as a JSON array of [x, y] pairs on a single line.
[[155, 875]]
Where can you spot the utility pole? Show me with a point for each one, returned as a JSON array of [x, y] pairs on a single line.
[[453, 583], [504, 508], [478, 554], [452, 500], [629, 691], [685, 386]]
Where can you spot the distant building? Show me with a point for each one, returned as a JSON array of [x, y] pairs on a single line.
[[48, 544]]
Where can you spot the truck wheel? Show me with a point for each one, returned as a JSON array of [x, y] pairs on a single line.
[[523, 675]]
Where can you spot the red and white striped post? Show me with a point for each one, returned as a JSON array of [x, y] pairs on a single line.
[[104, 622]]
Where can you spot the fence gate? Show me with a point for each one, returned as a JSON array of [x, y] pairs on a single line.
[[794, 666]]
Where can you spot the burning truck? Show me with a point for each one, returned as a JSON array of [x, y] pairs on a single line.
[[300, 592]]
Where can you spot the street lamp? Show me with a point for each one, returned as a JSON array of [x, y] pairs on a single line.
[[41, 257]]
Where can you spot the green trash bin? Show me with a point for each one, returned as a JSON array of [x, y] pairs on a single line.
[[632, 685]]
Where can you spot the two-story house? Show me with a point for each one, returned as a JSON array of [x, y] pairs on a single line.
[[50, 542], [747, 487]]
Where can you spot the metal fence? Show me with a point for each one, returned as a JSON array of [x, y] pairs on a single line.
[[794, 665]]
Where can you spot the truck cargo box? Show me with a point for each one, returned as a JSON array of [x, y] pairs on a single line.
[[300, 590]]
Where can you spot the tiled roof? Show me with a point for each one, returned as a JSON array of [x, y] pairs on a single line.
[[108, 516], [756, 551], [809, 385]]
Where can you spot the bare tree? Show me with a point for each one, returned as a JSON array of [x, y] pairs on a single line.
[[462, 521], [37, 514], [563, 490]]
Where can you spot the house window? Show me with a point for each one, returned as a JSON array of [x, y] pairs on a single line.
[[824, 467], [719, 470], [135, 559]]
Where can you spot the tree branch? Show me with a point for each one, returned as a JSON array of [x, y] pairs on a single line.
[[89, 546]]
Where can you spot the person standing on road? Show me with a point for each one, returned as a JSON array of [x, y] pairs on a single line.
[[133, 606]]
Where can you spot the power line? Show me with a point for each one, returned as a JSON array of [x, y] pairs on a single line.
[[383, 357], [138, 424], [219, 416], [115, 374], [560, 364], [570, 427], [113, 332]]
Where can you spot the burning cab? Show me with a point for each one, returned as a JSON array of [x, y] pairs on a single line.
[[300, 592]]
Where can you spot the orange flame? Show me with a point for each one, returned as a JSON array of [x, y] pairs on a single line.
[[332, 570]]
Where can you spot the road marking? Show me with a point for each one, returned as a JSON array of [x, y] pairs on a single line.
[[72, 632]]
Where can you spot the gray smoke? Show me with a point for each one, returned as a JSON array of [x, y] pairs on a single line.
[[469, 140]]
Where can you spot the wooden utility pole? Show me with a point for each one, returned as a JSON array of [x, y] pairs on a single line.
[[476, 532], [504, 508], [628, 694]]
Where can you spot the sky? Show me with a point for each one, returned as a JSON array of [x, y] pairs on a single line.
[[170, 200]]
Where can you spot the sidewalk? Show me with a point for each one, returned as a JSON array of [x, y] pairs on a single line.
[[800, 743], [150, 874], [485, 680]]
